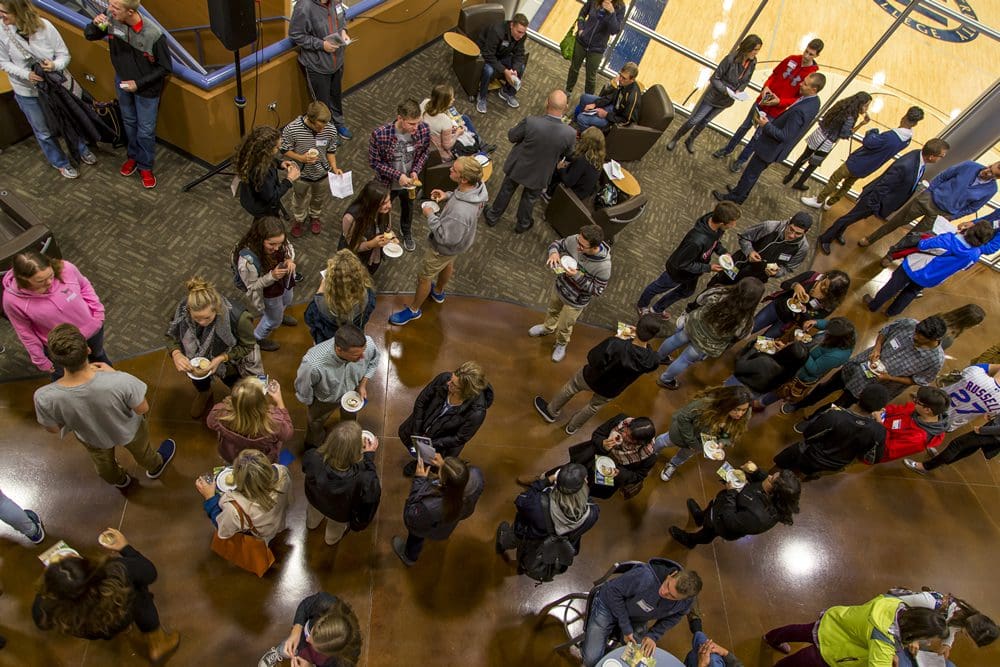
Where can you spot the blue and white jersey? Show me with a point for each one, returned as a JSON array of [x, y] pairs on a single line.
[[976, 395]]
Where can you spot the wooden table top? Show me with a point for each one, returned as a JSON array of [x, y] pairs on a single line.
[[627, 183], [461, 43]]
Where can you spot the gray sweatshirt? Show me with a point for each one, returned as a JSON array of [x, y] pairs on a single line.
[[312, 21], [453, 230]]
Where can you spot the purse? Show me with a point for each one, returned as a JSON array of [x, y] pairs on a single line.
[[245, 549], [568, 43], [794, 390]]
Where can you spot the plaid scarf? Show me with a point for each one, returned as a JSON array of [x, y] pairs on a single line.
[[631, 450]]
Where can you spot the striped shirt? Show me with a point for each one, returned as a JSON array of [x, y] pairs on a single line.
[[323, 376], [299, 138]]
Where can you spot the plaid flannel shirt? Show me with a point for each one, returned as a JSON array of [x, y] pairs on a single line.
[[382, 148], [901, 358]]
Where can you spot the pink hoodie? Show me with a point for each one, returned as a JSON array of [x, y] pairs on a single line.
[[70, 300]]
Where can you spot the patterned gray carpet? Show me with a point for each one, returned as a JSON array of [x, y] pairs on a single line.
[[138, 246]]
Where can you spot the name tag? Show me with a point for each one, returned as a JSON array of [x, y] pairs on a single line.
[[409, 149], [894, 343], [322, 143], [896, 423], [118, 32], [784, 257], [645, 606], [505, 43], [70, 296]]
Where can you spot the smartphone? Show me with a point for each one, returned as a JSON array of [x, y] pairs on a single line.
[[264, 380]]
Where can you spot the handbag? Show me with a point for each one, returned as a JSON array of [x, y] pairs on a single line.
[[111, 114], [794, 390], [568, 43], [245, 549]]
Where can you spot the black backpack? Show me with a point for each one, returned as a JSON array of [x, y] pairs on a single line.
[[542, 560]]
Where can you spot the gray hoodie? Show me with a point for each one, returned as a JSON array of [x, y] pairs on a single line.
[[312, 21], [453, 230]]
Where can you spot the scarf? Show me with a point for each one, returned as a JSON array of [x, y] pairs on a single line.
[[568, 512], [630, 451], [185, 331]]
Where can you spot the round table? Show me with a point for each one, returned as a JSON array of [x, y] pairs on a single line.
[[627, 183], [663, 659], [461, 43]]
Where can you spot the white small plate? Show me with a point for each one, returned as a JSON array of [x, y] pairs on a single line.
[[714, 451], [432, 205], [221, 482], [368, 436], [737, 479], [194, 361], [352, 401], [392, 250], [612, 662], [726, 262], [795, 306], [568, 262], [605, 465]]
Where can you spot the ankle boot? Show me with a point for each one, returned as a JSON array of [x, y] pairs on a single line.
[[161, 645]]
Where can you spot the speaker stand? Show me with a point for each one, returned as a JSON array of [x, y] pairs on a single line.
[[241, 104]]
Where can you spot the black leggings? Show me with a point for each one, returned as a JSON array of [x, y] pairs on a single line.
[[960, 448], [144, 613], [405, 210]]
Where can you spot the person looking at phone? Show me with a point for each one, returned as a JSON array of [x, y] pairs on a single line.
[[261, 188], [448, 411], [264, 262], [141, 60]]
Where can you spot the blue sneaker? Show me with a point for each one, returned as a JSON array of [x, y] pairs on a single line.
[[404, 316], [344, 132], [437, 296], [167, 449], [39, 535]]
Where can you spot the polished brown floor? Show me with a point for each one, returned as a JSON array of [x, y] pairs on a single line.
[[859, 532]]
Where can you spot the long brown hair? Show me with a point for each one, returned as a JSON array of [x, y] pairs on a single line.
[[365, 214], [26, 19], [453, 477], [590, 146], [28, 263], [255, 477], [343, 446], [249, 410], [442, 96], [83, 597], [714, 417], [962, 318], [256, 154], [739, 303], [263, 228]]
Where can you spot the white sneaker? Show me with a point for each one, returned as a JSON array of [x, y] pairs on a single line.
[[827, 207], [558, 353], [68, 172], [538, 330], [811, 202], [273, 657], [88, 157], [668, 472]]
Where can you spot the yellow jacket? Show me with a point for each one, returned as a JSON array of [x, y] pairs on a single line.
[[859, 635]]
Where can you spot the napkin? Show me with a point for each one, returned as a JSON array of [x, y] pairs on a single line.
[[341, 185], [613, 170]]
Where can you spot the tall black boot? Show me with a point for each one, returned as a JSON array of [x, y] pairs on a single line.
[[806, 173]]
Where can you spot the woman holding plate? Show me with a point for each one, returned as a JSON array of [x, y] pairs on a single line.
[[618, 456], [252, 417], [811, 295], [738, 511], [366, 228], [718, 415]]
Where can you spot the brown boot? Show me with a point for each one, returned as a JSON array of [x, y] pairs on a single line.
[[161, 645], [200, 404]]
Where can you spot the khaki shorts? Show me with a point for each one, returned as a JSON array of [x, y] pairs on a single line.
[[433, 264]]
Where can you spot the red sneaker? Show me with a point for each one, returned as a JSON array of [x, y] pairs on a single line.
[[128, 168], [296, 229], [148, 180], [315, 226]]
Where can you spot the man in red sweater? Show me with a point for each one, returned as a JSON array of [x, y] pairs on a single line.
[[781, 90]]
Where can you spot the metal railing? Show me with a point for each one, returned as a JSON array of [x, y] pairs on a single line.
[[200, 44]]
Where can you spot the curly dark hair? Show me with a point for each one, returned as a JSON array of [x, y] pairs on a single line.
[[85, 598], [739, 303], [255, 155], [838, 114]]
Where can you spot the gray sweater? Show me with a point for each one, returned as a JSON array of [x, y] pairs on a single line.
[[310, 23], [453, 230]]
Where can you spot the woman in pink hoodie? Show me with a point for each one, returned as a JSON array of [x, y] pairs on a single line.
[[40, 293]]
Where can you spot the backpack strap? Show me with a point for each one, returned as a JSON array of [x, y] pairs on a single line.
[[550, 526]]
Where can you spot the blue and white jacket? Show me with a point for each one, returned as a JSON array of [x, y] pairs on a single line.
[[953, 254]]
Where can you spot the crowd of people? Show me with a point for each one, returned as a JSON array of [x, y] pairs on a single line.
[[792, 345]]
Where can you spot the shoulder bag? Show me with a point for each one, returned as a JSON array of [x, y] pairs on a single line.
[[245, 549]]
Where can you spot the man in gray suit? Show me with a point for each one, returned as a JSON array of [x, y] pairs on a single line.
[[539, 143]]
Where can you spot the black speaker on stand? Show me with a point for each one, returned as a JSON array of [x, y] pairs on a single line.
[[235, 24]]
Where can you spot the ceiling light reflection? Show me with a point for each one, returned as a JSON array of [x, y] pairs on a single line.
[[712, 51], [878, 79], [806, 38], [800, 557], [719, 29], [703, 77], [726, 6], [876, 105]]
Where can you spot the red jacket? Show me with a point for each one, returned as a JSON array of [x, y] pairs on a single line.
[[784, 82], [904, 436]]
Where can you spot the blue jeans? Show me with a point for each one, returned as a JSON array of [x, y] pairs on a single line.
[[751, 174], [699, 119], [590, 121], [274, 311], [36, 119], [697, 640], [489, 73], [767, 318], [682, 454], [900, 288], [600, 623], [671, 290], [689, 357], [139, 116], [12, 515]]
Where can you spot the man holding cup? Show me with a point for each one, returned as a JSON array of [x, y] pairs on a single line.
[[311, 140], [452, 232]]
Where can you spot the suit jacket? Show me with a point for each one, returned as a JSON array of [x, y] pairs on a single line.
[[780, 135], [891, 190], [539, 142]]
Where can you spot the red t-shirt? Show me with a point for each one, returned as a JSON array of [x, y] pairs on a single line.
[[784, 82]]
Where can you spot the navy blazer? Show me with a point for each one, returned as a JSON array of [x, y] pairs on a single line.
[[891, 190], [778, 137]]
